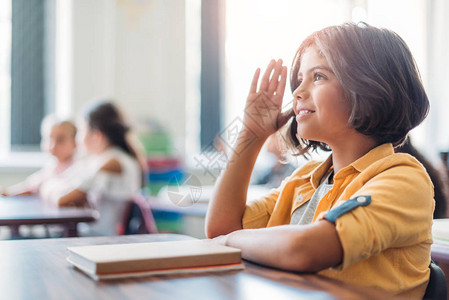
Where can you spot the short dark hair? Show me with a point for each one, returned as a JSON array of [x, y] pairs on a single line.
[[379, 76]]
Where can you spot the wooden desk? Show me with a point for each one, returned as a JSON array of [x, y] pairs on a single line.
[[30, 210], [37, 269]]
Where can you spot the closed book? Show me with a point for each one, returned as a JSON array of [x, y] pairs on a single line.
[[142, 259]]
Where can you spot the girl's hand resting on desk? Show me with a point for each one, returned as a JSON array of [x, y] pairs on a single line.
[[263, 115], [221, 240]]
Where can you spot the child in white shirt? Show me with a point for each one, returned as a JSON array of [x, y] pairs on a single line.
[[58, 139]]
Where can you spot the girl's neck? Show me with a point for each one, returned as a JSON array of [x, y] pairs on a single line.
[[103, 147], [351, 149]]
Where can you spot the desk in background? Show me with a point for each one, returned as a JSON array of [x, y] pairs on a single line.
[[30, 210], [37, 269], [182, 209]]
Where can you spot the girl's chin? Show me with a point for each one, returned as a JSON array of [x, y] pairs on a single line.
[[300, 134]]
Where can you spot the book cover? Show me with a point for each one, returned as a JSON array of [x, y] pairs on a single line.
[[143, 259]]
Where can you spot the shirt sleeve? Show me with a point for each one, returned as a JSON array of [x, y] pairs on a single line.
[[400, 214], [258, 212], [109, 185]]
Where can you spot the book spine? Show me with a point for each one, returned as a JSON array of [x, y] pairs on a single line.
[[169, 263]]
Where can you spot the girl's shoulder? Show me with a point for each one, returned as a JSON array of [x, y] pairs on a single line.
[[399, 164], [112, 166], [399, 160]]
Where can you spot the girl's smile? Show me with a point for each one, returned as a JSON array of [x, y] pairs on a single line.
[[302, 112]]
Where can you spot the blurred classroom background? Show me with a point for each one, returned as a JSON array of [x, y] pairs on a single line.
[[181, 70]]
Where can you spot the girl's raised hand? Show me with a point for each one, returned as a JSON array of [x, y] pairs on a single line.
[[263, 107]]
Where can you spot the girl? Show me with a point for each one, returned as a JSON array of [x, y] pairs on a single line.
[[58, 139], [110, 174], [364, 215]]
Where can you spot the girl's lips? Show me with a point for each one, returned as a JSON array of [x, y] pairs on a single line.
[[304, 113]]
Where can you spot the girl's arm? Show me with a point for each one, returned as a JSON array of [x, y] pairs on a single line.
[[262, 118], [308, 248], [226, 207], [75, 198], [29, 186]]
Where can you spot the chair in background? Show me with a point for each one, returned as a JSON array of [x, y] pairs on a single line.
[[137, 217], [436, 288]]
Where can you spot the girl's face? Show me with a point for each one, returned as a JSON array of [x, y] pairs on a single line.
[[89, 138], [61, 143], [321, 107]]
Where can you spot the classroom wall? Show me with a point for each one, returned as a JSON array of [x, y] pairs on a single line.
[[133, 51]]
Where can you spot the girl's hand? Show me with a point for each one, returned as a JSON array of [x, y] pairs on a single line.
[[221, 240], [263, 115]]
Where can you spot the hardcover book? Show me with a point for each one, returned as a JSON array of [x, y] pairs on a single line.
[[156, 258]]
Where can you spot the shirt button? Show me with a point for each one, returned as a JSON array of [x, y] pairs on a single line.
[[361, 199]]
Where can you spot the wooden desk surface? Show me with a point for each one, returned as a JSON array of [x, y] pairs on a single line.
[[37, 269], [30, 210]]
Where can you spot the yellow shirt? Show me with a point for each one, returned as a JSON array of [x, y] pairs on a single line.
[[385, 244]]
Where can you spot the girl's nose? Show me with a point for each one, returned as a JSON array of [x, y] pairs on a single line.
[[301, 92]]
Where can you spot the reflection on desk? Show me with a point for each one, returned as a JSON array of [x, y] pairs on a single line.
[[30, 210], [37, 269]]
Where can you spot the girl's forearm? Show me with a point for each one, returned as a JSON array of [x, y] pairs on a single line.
[[228, 202], [290, 247]]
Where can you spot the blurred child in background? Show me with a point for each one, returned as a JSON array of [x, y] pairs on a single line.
[[108, 176], [58, 139], [280, 169]]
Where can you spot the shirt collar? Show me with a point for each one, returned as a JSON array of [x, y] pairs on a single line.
[[316, 174], [360, 164], [372, 156]]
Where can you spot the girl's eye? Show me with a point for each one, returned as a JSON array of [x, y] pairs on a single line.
[[318, 76]]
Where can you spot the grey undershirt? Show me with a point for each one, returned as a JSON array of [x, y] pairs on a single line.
[[304, 214]]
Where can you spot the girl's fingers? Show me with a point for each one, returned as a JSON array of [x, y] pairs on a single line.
[[275, 78], [253, 88], [266, 76]]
